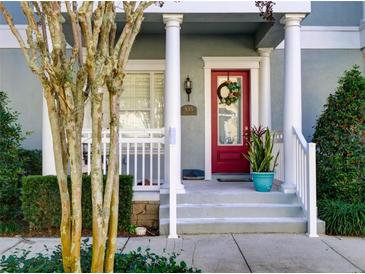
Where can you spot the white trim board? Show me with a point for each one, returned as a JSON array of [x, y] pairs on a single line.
[[7, 39], [312, 37], [245, 63], [328, 37]]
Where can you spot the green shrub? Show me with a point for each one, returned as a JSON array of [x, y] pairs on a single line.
[[31, 162], [342, 218], [42, 206], [340, 138], [133, 261], [11, 137]]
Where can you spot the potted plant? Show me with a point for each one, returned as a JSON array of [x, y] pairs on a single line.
[[261, 158]]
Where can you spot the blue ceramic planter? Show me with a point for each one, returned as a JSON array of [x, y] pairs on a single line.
[[262, 181]]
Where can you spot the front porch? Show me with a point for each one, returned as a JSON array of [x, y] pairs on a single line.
[[156, 151]]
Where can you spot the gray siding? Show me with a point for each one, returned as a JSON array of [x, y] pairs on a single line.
[[321, 70], [334, 13], [24, 92], [16, 11]]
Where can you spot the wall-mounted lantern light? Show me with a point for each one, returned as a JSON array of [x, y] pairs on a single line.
[[188, 85]]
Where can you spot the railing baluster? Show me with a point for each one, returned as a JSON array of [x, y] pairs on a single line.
[[301, 175], [151, 161], [305, 184], [88, 156], [120, 157], [135, 164], [127, 171], [158, 163], [143, 163], [104, 153]]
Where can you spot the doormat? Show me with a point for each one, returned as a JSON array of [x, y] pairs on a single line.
[[193, 174], [233, 180]]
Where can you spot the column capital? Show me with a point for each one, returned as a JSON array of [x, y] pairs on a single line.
[[172, 20], [292, 19], [265, 52]]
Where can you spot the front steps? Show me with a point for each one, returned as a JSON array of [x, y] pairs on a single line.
[[228, 211]]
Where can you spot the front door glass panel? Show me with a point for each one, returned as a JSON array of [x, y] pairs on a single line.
[[229, 116]]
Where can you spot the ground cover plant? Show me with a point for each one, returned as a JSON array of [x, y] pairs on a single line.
[[137, 261], [340, 138]]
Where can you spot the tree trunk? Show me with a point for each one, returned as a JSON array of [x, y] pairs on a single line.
[[97, 183], [113, 178], [61, 170], [74, 140]]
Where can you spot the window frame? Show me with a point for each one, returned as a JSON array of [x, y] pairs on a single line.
[[151, 67]]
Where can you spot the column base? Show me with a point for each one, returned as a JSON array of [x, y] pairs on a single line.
[[288, 188]]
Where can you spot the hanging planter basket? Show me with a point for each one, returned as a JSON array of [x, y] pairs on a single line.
[[233, 94]]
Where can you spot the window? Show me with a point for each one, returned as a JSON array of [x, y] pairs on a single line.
[[142, 100]]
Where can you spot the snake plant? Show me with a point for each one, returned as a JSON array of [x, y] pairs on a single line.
[[260, 153]]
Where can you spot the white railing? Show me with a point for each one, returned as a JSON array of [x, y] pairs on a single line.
[[279, 147], [140, 154], [305, 172]]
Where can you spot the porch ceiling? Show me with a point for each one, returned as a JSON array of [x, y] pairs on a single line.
[[266, 34]]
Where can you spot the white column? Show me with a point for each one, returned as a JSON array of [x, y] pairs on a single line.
[[172, 101], [48, 161], [265, 88], [293, 95]]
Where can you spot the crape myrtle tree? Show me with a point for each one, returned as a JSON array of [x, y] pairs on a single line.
[[68, 79]]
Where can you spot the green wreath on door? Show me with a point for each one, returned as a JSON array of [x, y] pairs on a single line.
[[233, 95]]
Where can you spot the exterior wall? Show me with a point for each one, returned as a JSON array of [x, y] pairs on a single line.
[[321, 70], [334, 13], [25, 94], [193, 48]]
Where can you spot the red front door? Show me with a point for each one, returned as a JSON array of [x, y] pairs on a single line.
[[229, 123]]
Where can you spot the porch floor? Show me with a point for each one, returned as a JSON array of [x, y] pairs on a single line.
[[214, 185]]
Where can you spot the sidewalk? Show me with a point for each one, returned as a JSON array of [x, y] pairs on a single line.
[[240, 252]]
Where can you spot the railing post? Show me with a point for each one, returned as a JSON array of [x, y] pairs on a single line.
[[312, 193], [173, 185]]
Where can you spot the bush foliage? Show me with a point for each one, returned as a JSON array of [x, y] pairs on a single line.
[[11, 137], [42, 206], [131, 262], [343, 218], [31, 161], [340, 138]]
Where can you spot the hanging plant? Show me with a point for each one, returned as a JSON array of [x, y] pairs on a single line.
[[233, 94]]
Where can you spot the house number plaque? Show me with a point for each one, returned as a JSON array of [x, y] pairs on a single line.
[[189, 110]]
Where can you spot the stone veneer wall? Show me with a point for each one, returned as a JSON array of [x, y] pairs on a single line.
[[146, 213]]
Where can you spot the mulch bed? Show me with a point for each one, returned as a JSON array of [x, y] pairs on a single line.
[[54, 232]]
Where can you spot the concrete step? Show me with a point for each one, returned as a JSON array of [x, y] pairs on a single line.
[[234, 210], [239, 225], [231, 197]]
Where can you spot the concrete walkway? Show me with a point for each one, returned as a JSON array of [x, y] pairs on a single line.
[[239, 252]]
